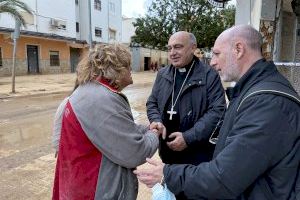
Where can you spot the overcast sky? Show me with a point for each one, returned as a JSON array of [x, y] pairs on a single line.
[[134, 8]]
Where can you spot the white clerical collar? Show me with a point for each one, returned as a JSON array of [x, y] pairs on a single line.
[[182, 69]]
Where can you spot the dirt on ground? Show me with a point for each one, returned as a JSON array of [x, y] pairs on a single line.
[[27, 160]]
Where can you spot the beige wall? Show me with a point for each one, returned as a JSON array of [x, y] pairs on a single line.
[[44, 46]]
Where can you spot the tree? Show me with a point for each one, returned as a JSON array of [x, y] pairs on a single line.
[[157, 18], [13, 8], [165, 17]]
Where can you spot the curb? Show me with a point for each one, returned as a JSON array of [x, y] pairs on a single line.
[[8, 96]]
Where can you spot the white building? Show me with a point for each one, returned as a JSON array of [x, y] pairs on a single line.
[[128, 29], [106, 23], [58, 33]]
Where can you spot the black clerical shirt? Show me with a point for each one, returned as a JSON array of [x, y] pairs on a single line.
[[174, 124]]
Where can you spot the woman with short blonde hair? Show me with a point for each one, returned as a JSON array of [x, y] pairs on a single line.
[[107, 61], [100, 144]]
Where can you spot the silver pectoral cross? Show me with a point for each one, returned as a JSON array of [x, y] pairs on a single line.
[[171, 113]]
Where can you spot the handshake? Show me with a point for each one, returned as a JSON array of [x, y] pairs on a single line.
[[159, 129], [176, 141]]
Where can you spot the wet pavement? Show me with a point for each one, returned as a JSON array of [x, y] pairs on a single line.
[[26, 157]]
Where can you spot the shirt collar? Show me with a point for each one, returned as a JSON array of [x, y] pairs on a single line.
[[106, 83]]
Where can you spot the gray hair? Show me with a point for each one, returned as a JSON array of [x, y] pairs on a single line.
[[252, 37], [193, 39]]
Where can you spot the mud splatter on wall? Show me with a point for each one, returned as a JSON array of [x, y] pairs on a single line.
[[267, 29]]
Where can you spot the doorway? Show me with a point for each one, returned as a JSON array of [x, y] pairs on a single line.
[[74, 58], [33, 59], [146, 63]]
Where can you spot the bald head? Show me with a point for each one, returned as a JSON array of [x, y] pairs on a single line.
[[190, 37], [248, 34], [235, 51], [181, 47]]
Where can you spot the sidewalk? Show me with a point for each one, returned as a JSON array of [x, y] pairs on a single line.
[[50, 83], [36, 84]]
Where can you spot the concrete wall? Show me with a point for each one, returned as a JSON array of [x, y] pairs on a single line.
[[279, 28], [155, 56], [5, 69], [268, 10], [287, 37], [164, 57], [297, 38], [135, 59], [292, 73], [144, 52], [278, 35]]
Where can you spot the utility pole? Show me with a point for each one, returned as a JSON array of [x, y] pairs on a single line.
[[90, 24], [108, 30], [16, 35]]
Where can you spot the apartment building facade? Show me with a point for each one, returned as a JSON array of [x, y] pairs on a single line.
[[57, 34]]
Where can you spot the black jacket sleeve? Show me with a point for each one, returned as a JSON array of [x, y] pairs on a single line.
[[257, 141], [204, 127]]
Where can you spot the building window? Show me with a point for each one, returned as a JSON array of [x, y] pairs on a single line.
[[54, 58], [112, 34], [97, 4], [76, 2], [98, 32], [77, 27], [0, 57], [112, 8]]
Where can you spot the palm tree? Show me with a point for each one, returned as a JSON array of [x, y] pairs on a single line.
[[13, 7]]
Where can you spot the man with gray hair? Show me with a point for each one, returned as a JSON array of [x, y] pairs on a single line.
[[186, 103], [257, 156]]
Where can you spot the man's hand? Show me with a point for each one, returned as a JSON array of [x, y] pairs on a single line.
[[160, 128], [153, 174], [178, 144]]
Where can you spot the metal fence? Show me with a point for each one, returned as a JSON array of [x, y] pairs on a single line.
[[291, 70]]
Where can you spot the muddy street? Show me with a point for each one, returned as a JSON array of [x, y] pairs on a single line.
[[26, 157]]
